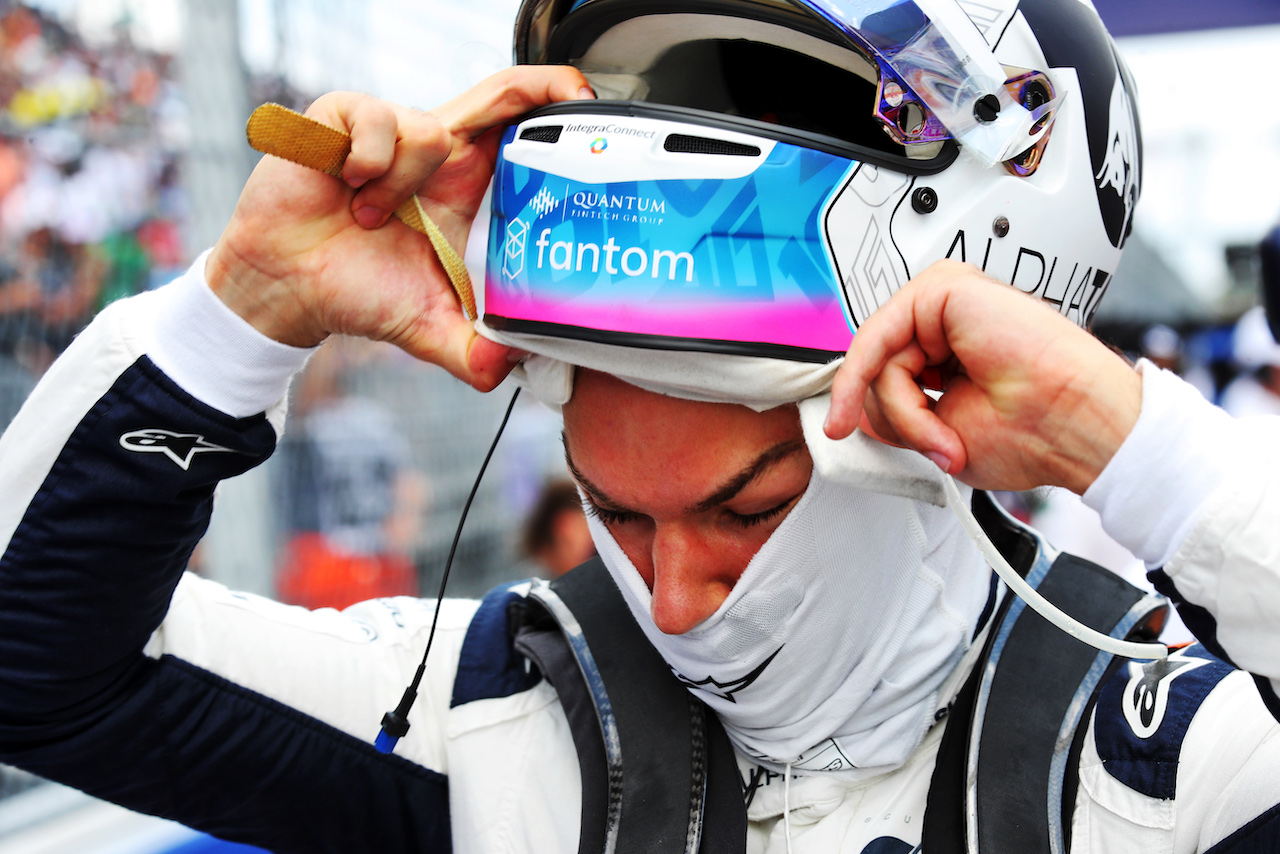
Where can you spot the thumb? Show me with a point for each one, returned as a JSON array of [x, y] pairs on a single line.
[[489, 362]]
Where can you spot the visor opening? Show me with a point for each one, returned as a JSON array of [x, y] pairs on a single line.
[[742, 65]]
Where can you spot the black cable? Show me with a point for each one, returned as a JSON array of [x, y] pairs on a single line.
[[396, 722]]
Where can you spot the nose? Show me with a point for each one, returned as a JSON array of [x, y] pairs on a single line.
[[690, 576]]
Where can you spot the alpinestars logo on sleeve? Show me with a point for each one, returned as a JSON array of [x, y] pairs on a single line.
[[726, 690], [181, 448]]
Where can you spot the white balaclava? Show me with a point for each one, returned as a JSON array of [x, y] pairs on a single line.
[[829, 652]]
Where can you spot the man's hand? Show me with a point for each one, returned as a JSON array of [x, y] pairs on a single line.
[[306, 255], [1030, 399]]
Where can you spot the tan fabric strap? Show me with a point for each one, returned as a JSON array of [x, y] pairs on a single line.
[[274, 129]]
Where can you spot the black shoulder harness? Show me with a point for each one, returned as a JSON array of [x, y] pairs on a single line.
[[1006, 776], [659, 774], [657, 767]]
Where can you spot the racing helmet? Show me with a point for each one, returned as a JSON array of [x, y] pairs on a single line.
[[758, 176]]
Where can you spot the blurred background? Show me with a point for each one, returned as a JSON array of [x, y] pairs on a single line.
[[122, 153]]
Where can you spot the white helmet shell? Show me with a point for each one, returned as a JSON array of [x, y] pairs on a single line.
[[794, 78]]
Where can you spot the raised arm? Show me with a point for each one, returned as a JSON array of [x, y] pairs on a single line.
[[1030, 399], [305, 255], [236, 715]]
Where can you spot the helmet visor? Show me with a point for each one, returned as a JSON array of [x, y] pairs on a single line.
[[937, 79]]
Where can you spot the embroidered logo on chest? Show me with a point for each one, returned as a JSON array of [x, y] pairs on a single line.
[[1146, 697]]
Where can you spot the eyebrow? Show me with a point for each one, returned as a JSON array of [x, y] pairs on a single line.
[[731, 487]]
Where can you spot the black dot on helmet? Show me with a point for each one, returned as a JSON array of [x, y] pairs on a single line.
[[924, 200], [986, 109], [1000, 226]]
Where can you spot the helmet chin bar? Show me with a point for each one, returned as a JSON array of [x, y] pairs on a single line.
[[1028, 594]]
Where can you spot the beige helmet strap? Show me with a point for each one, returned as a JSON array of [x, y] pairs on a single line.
[[277, 130]]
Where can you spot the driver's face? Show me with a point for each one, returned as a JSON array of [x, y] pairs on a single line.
[[690, 491]]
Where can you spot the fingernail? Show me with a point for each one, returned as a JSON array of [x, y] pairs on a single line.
[[586, 94], [357, 183], [831, 422], [940, 460], [369, 217]]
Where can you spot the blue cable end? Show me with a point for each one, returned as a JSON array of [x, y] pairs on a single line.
[[385, 743]]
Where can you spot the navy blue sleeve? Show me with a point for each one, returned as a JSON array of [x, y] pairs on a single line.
[[85, 580], [1204, 626]]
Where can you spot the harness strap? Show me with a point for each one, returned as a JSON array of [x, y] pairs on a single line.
[[657, 767], [1005, 778], [601, 796]]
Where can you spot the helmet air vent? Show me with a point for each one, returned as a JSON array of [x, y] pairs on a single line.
[[542, 133], [680, 143]]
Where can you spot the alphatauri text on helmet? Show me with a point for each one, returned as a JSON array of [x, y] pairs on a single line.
[[631, 261], [1074, 288]]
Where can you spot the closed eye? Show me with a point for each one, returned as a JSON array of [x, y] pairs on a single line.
[[750, 520], [610, 517]]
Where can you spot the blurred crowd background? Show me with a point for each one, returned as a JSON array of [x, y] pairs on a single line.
[[91, 207], [121, 154], [103, 194]]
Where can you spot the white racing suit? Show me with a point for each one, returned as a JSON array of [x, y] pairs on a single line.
[[255, 721]]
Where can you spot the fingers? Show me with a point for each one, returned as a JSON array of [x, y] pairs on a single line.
[[901, 412], [509, 94], [888, 331], [393, 150], [879, 379], [488, 362], [374, 132]]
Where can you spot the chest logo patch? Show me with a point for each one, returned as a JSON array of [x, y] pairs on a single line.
[[181, 448], [1146, 697]]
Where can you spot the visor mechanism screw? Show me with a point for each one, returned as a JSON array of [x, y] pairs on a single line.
[[893, 94], [1000, 227], [924, 200], [986, 109], [1035, 95]]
